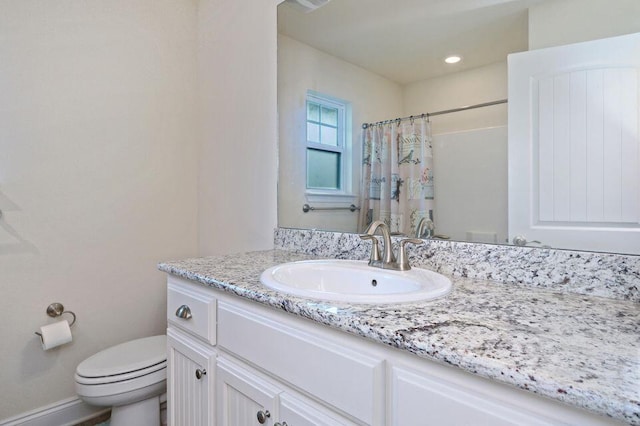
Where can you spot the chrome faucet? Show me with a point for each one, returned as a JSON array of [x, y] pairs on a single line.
[[388, 260], [427, 224]]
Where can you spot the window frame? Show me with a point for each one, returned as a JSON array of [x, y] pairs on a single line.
[[343, 147]]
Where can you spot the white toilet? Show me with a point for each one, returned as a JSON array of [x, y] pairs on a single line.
[[129, 377]]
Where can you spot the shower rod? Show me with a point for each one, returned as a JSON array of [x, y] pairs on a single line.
[[431, 114]]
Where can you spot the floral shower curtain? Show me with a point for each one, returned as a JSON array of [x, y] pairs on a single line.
[[397, 175]]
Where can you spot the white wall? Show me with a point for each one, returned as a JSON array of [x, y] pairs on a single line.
[[97, 177], [558, 22], [237, 44], [373, 98], [470, 168]]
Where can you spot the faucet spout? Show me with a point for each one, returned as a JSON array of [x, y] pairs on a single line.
[[425, 225], [388, 258]]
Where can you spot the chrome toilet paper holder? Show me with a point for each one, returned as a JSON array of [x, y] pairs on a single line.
[[56, 309]]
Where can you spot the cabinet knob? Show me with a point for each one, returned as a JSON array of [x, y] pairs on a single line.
[[263, 416], [200, 373], [183, 312]]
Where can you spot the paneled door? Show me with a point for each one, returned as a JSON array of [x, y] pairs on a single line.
[[243, 398], [574, 145], [190, 381]]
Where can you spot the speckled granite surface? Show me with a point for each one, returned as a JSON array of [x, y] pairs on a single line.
[[582, 350], [598, 274]]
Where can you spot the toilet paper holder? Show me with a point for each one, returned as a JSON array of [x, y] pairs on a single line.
[[56, 309]]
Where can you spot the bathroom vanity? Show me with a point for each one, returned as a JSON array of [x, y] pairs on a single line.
[[488, 353]]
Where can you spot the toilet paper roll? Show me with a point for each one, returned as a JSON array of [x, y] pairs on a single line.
[[55, 334]]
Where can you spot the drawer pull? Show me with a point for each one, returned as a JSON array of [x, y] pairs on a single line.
[[200, 373], [263, 416], [183, 312], [280, 424]]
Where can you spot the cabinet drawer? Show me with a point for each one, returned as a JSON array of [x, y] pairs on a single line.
[[340, 376], [199, 304], [421, 399]]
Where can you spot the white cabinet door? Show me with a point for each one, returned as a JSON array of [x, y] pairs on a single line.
[[243, 397], [574, 145], [190, 385], [247, 398]]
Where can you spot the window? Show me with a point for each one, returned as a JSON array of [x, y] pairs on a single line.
[[327, 153]]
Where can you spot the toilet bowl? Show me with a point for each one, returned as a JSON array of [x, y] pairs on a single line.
[[129, 377]]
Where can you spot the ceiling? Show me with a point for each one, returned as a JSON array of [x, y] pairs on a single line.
[[407, 40]]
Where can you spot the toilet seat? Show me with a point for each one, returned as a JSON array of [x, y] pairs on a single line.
[[124, 359], [111, 393], [125, 368], [120, 377]]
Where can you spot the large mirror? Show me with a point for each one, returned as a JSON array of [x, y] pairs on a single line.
[[350, 62]]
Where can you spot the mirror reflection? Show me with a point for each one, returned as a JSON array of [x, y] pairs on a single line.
[[351, 62]]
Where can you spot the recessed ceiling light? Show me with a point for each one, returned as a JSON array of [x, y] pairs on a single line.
[[453, 59]]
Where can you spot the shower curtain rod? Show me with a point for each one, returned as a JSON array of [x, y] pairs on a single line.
[[431, 114]]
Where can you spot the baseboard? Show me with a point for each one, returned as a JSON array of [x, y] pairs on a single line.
[[67, 412]]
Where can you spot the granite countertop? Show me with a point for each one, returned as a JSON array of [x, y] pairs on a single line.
[[582, 350]]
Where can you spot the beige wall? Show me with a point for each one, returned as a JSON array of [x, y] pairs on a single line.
[[373, 98], [237, 43], [97, 178], [130, 132], [558, 22]]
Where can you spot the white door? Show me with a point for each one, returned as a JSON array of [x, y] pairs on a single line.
[[574, 157]]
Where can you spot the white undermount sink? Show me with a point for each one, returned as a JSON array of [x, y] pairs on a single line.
[[354, 282]]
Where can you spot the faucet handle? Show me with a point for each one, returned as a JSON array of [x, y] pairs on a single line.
[[375, 248], [403, 260]]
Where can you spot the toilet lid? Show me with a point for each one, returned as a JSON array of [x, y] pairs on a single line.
[[126, 357]]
